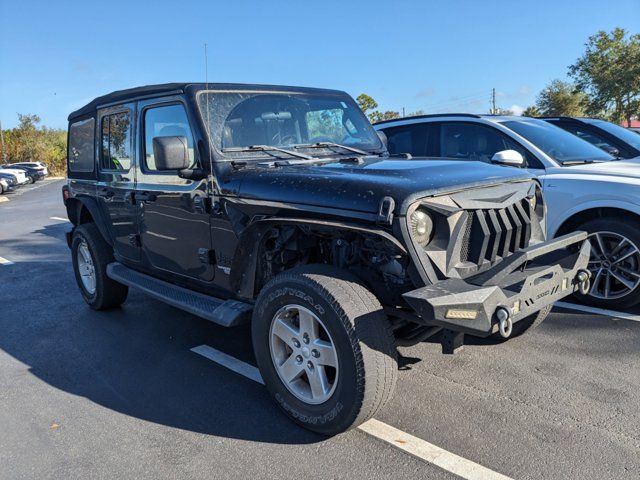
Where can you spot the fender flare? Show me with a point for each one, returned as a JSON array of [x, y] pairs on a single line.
[[74, 210], [581, 207], [245, 259]]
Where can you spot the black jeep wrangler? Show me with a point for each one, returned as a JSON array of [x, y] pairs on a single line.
[[281, 206]]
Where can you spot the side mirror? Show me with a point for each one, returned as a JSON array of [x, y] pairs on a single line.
[[611, 150], [508, 157], [383, 138], [171, 153]]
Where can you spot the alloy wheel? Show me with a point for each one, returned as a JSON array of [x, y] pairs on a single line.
[[86, 268], [304, 354], [614, 265]]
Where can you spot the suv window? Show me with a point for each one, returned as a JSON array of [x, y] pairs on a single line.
[[416, 139], [478, 142], [81, 153], [165, 121], [116, 142]]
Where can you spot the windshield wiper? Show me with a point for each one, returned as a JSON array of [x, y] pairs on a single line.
[[332, 145], [266, 148], [579, 162]]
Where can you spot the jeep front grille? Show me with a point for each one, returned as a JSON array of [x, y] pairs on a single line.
[[493, 233]]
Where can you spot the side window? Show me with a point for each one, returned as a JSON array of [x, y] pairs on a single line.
[[478, 142], [416, 139], [81, 152], [591, 137], [165, 121], [116, 142]]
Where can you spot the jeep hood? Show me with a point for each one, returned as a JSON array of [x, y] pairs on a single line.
[[629, 168], [350, 186]]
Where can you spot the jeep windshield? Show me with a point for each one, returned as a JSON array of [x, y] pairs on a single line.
[[245, 123], [562, 146]]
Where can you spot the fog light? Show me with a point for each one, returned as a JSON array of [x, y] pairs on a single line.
[[461, 314], [565, 283]]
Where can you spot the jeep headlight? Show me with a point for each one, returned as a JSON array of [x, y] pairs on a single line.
[[421, 226]]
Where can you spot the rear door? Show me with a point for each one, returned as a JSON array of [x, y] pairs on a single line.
[[173, 219], [117, 176]]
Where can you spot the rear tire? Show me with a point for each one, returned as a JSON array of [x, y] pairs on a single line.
[[356, 328], [610, 231], [90, 256]]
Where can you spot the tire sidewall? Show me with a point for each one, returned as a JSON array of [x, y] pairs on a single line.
[[345, 402]]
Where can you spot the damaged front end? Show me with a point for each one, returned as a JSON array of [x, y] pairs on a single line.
[[484, 259]]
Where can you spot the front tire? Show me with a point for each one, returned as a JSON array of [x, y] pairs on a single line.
[[90, 256], [614, 263], [324, 347]]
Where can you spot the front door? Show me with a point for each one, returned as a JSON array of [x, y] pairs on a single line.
[[116, 178], [174, 224]]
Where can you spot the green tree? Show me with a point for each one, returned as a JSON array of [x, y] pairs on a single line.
[[609, 73], [561, 99], [369, 106], [531, 111], [366, 103]]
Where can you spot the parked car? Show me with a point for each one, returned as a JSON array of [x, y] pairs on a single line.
[[10, 179], [19, 173], [585, 188], [280, 206], [39, 166], [4, 185], [33, 174], [614, 139]]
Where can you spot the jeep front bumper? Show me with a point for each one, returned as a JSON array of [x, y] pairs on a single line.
[[521, 285]]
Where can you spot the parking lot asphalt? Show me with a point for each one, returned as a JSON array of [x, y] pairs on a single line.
[[121, 394]]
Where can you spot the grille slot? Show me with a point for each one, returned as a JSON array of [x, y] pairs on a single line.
[[493, 233]]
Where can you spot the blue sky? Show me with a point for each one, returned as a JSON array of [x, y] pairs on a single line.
[[430, 55]]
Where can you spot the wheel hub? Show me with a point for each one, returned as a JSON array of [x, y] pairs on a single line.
[[303, 354]]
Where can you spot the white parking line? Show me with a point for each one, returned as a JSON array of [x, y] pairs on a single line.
[[59, 219], [599, 311], [230, 362], [4, 261], [396, 438]]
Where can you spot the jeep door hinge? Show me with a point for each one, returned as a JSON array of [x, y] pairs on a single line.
[[385, 211], [207, 256]]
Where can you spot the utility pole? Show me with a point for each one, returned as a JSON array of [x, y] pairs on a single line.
[[4, 151], [493, 101], [403, 112]]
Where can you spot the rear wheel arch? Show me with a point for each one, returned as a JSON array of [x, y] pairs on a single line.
[[83, 210]]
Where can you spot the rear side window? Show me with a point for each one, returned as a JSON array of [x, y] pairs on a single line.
[[116, 142], [417, 139], [165, 121], [81, 153]]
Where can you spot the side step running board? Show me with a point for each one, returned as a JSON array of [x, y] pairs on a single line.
[[229, 313]]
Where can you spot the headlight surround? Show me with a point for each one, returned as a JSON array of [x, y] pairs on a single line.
[[421, 226]]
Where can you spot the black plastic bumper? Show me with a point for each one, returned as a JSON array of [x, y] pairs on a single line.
[[522, 284]]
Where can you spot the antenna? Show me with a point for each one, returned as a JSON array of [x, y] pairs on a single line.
[[206, 82]]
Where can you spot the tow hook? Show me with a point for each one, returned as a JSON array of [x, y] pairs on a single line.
[[505, 324], [584, 281]]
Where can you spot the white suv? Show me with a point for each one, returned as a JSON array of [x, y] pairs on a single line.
[[585, 188]]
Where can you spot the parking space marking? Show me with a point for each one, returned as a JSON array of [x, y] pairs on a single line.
[[3, 199], [4, 261], [428, 452], [414, 446], [59, 219], [230, 362], [599, 311]]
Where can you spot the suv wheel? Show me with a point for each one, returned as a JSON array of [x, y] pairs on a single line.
[[614, 263], [325, 348], [91, 254]]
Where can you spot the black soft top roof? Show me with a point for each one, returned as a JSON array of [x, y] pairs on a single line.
[[166, 88]]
